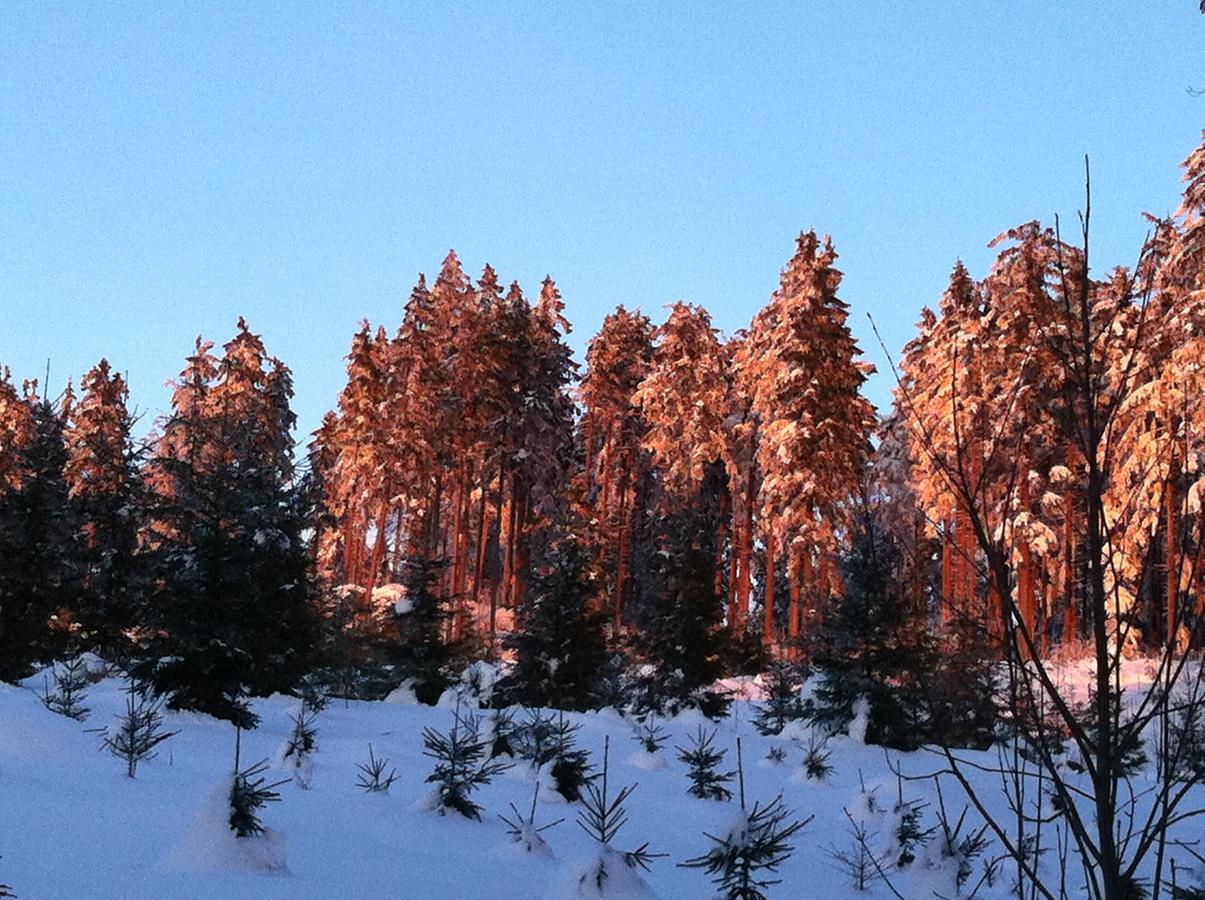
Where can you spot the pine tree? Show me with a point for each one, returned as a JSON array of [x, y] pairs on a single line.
[[681, 635], [462, 765], [41, 571], [232, 614], [560, 651], [702, 758], [107, 492], [873, 647], [421, 655]]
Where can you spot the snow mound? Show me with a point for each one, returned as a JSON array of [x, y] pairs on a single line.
[[210, 844]]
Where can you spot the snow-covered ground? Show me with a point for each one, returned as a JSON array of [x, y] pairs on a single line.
[[74, 826]]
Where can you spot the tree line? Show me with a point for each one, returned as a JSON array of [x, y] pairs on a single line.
[[685, 502]]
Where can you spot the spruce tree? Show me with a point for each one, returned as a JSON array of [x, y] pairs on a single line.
[[40, 563], [560, 651], [873, 646], [107, 492], [421, 654], [681, 635], [231, 612]]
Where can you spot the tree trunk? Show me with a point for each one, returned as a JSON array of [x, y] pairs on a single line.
[[771, 574], [744, 586], [1070, 610], [1173, 548]]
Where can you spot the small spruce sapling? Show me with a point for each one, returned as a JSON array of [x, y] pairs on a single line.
[[502, 727], [816, 765], [139, 731], [740, 862], [650, 736], [908, 832], [68, 694], [570, 765], [782, 703], [300, 747], [703, 758], [461, 766], [525, 831], [858, 861], [602, 817], [776, 755], [372, 778], [249, 794], [533, 738]]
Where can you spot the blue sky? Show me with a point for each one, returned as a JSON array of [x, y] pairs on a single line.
[[165, 168]]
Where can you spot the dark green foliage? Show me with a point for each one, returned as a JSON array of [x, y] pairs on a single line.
[[249, 794], [741, 861], [533, 739], [857, 860], [871, 647], [1184, 756], [110, 501], [603, 816], [524, 830], [502, 729], [138, 733], [703, 758], [570, 765], [68, 694], [301, 744], [231, 616], [461, 766], [41, 569], [682, 636], [816, 758], [545, 741], [419, 654], [650, 736], [782, 703], [1129, 750], [560, 650], [960, 694]]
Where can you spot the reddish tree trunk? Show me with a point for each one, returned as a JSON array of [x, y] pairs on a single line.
[[744, 586], [947, 574], [1070, 610], [1173, 550], [768, 626]]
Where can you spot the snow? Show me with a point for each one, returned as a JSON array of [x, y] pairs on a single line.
[[77, 827]]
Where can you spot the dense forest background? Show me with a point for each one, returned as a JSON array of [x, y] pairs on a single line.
[[679, 507]]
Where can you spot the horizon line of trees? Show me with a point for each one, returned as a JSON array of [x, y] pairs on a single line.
[[704, 492]]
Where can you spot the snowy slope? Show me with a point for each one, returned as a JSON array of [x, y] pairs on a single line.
[[75, 826]]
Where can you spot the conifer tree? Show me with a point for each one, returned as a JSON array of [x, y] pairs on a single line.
[[681, 633], [421, 654], [801, 369], [560, 651], [873, 647], [612, 430], [231, 613], [41, 569], [106, 489]]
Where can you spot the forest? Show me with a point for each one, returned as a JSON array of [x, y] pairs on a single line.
[[679, 509]]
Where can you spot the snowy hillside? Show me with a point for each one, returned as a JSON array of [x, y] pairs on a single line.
[[77, 827]]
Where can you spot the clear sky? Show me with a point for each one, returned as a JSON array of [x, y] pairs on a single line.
[[167, 167]]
